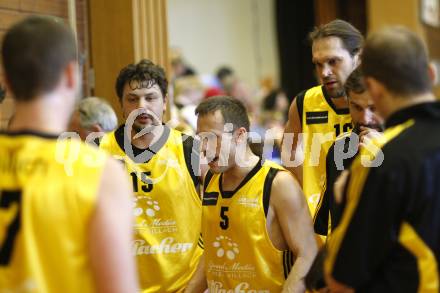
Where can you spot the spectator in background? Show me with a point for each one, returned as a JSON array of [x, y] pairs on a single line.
[[235, 88], [179, 68], [184, 93], [93, 114], [188, 93], [272, 117], [276, 102]]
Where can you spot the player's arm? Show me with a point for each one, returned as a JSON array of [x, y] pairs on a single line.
[[293, 214], [198, 281], [110, 233], [198, 284], [289, 152], [321, 218]]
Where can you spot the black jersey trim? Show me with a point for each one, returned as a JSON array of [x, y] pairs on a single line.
[[267, 188], [229, 194], [200, 243], [208, 177], [191, 154], [210, 198], [340, 111], [31, 133], [318, 117], [287, 262], [152, 149], [300, 104]]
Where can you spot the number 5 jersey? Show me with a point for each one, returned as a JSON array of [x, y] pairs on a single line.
[[239, 255]]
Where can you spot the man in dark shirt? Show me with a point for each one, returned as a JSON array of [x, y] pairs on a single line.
[[388, 239], [367, 125]]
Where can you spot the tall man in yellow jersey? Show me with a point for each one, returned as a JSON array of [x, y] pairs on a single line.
[[257, 230], [318, 115], [163, 169], [58, 229]]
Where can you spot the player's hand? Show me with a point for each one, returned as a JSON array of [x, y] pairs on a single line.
[[367, 135]]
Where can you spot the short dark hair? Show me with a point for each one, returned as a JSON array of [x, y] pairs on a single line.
[[355, 82], [224, 71], [232, 110], [398, 59], [350, 36], [35, 51], [145, 72]]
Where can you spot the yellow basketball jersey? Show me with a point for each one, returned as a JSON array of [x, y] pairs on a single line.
[[167, 208], [45, 210], [321, 124], [239, 254]]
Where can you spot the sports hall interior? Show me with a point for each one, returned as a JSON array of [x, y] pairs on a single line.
[[264, 43]]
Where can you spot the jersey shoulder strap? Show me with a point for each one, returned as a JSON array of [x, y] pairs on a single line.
[[267, 188], [300, 103]]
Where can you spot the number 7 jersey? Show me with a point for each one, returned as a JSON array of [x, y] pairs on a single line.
[[45, 211]]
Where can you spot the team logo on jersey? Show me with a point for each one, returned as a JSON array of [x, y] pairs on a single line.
[[243, 287], [318, 117], [249, 202], [225, 247], [166, 246], [225, 262], [152, 206], [147, 213]]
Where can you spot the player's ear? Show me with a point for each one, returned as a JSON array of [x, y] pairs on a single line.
[[357, 58], [72, 75], [241, 135], [165, 100], [96, 128], [433, 73]]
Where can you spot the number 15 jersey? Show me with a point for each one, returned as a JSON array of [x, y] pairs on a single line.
[[166, 207]]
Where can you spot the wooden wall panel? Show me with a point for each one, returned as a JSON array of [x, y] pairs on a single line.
[[383, 13], [325, 11], [10, 4], [111, 43], [150, 31], [9, 17], [353, 11], [124, 32], [50, 7]]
